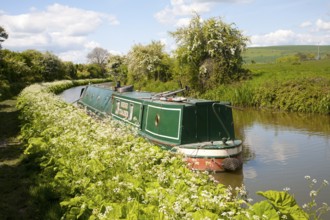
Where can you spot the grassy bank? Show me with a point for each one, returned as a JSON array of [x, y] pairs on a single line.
[[303, 87]]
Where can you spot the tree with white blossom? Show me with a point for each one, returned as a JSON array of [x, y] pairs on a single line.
[[209, 53]]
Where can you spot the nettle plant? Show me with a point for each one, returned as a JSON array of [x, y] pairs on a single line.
[[101, 169]]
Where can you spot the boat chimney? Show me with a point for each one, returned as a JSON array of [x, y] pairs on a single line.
[[117, 85]]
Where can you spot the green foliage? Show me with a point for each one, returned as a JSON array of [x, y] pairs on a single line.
[[95, 70], [296, 58], [284, 203], [288, 59], [281, 86], [158, 86], [264, 210], [53, 68], [209, 53], [117, 68], [303, 95], [272, 53], [19, 69], [102, 169], [146, 63]]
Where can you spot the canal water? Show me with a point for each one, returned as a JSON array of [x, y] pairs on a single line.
[[279, 150]]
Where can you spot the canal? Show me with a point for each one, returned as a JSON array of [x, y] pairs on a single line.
[[280, 150]]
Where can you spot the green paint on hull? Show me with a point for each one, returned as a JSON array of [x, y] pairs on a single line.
[[168, 123]]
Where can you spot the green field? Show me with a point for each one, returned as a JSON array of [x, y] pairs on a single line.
[[271, 53], [294, 87]]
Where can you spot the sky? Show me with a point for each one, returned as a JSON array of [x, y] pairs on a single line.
[[71, 29]]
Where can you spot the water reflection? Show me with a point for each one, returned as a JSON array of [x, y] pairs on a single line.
[[234, 179], [305, 123], [279, 150], [71, 95]]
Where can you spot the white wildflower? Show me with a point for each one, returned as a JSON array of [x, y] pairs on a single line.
[[284, 217], [286, 189], [250, 200], [99, 183], [194, 196], [313, 193], [177, 207]]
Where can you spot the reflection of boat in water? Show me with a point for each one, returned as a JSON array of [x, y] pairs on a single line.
[[200, 129]]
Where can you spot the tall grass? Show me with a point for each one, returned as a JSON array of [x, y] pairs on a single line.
[[301, 87]]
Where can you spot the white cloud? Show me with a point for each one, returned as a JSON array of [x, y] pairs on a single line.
[[58, 28], [323, 25], [274, 38], [226, 1], [76, 56], [183, 22], [289, 37], [91, 45], [250, 172], [318, 33], [306, 24], [180, 10]]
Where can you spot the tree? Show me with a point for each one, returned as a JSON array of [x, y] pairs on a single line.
[[117, 68], [34, 59], [70, 70], [19, 69], [147, 63], [53, 67], [98, 56], [3, 35], [94, 70], [209, 53]]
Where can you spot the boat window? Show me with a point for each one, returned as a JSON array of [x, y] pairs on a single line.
[[131, 109], [117, 107]]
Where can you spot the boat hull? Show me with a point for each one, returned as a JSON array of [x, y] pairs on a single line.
[[214, 164], [214, 156]]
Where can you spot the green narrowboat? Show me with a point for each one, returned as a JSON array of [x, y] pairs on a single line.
[[202, 130]]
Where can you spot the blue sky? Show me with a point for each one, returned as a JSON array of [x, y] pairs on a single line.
[[71, 29]]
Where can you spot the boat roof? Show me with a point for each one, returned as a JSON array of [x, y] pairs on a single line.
[[148, 96]]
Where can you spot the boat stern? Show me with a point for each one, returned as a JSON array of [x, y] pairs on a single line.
[[215, 156]]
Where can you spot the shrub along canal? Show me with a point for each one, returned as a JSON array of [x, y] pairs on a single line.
[[280, 150]]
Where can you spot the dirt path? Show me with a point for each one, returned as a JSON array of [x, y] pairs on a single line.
[[16, 172]]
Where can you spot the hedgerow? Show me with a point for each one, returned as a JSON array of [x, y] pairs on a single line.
[[101, 169], [307, 95]]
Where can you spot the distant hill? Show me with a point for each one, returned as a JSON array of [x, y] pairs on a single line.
[[271, 53]]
